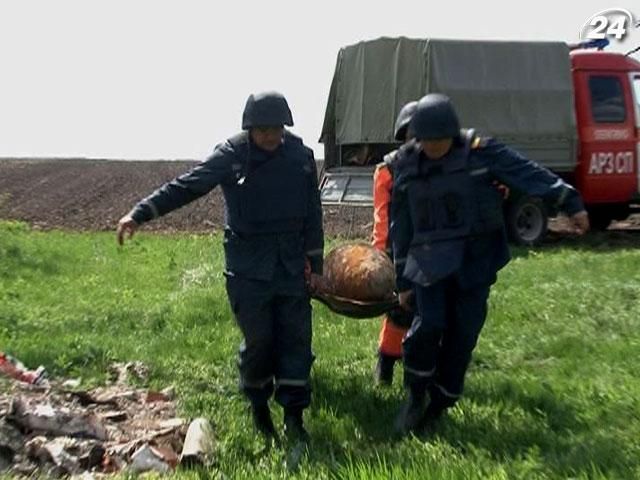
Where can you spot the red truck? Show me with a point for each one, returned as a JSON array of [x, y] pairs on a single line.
[[574, 110]]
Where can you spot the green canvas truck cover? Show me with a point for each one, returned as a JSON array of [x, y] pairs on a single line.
[[519, 92]]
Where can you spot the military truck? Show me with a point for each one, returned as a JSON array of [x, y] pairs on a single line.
[[574, 110]]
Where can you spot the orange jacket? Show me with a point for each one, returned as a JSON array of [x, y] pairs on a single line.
[[382, 185], [391, 335]]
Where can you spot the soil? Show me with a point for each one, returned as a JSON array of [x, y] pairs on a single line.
[[83, 194]]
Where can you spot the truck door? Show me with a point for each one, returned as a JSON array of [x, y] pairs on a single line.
[[607, 174], [635, 82]]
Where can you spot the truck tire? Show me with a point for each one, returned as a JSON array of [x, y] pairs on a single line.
[[526, 220]]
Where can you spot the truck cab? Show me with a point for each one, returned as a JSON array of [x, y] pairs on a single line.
[[607, 91]]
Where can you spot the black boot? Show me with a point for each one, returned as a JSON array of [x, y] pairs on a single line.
[[262, 420], [383, 373], [294, 427], [434, 412], [411, 416], [438, 405]]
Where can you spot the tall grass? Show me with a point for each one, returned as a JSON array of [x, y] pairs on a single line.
[[552, 391]]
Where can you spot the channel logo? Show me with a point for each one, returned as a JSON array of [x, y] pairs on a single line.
[[613, 23]]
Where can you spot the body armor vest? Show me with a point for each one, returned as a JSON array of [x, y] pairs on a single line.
[[449, 200], [271, 189]]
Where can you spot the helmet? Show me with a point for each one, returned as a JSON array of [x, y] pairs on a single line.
[[435, 118], [267, 109], [402, 122]]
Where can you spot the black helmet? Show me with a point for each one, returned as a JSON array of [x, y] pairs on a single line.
[[267, 109], [402, 122], [435, 118]]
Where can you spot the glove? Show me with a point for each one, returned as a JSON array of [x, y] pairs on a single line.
[[400, 316]]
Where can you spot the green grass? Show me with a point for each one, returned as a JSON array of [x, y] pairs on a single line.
[[552, 392]]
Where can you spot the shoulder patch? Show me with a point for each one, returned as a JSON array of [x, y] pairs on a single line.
[[480, 142]]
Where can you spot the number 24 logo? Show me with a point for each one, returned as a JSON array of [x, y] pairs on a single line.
[[608, 27]]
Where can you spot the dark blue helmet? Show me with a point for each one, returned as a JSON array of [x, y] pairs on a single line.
[[435, 118], [267, 109], [402, 122]]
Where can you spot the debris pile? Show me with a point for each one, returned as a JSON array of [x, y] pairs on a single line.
[[56, 430]]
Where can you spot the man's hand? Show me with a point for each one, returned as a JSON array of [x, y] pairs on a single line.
[[404, 299], [580, 222], [316, 283], [126, 227]]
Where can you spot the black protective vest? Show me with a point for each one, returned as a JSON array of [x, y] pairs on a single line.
[[270, 194], [450, 201]]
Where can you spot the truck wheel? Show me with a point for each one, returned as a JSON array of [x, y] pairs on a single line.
[[526, 219]]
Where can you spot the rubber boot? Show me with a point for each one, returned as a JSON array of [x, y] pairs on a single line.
[[262, 421], [431, 416], [438, 405], [383, 373], [294, 426], [411, 416]]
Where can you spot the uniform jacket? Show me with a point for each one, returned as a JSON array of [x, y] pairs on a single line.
[[272, 205], [475, 248], [382, 185]]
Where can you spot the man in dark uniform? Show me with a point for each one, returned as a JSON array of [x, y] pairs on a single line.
[[273, 242], [449, 243]]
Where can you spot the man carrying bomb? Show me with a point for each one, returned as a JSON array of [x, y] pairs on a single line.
[[449, 242], [273, 242], [396, 322]]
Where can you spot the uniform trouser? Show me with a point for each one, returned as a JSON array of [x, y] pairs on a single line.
[[438, 346], [275, 320]]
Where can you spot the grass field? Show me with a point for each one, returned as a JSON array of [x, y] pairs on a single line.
[[553, 391]]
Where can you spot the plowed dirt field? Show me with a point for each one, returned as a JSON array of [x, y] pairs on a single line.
[[82, 194]]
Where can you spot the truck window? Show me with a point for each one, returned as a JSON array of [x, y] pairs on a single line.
[[607, 99]]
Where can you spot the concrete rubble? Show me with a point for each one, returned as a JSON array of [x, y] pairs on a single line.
[[197, 443], [58, 430]]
